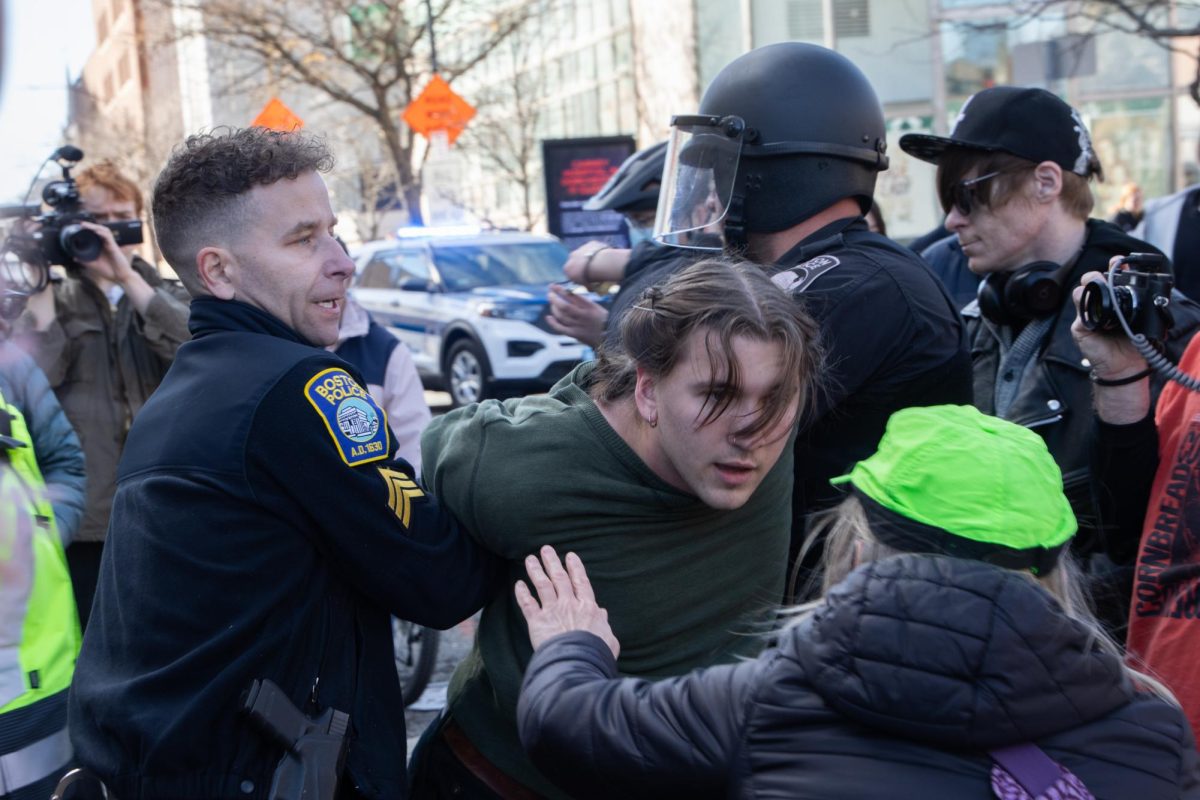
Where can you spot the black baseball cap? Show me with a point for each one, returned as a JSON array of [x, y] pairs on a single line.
[[1033, 124]]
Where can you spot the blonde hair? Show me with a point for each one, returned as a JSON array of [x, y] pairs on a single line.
[[849, 543]]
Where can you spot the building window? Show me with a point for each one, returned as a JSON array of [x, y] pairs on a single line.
[[975, 58], [623, 54], [804, 21], [603, 15], [587, 64], [610, 113], [627, 104], [589, 112], [620, 13], [851, 19], [604, 59]]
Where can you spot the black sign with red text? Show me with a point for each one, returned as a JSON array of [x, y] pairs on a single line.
[[575, 170]]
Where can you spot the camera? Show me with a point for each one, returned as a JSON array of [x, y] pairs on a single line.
[[1139, 298], [58, 237]]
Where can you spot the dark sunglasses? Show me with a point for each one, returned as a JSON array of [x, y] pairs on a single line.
[[968, 194]]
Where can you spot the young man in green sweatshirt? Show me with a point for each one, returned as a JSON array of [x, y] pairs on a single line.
[[659, 465]]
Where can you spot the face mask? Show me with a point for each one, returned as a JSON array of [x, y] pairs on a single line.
[[638, 235]]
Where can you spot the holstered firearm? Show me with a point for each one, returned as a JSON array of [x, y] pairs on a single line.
[[314, 749]]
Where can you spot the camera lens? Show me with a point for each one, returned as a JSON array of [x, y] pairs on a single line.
[[80, 243], [1096, 308]]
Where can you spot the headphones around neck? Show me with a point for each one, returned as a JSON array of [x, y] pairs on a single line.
[[1032, 292]]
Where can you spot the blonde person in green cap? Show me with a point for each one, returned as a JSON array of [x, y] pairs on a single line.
[[952, 655]]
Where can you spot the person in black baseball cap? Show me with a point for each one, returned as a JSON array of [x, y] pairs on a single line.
[[1013, 177], [1029, 123]]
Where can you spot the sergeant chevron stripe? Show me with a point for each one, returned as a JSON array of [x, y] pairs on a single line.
[[402, 490]]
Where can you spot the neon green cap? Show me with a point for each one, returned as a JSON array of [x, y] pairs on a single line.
[[978, 478]]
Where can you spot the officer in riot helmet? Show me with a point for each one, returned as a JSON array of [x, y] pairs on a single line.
[[633, 192], [781, 160], [765, 155]]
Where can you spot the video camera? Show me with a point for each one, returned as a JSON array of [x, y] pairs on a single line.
[[57, 237]]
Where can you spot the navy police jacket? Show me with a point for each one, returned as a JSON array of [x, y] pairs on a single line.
[[261, 529], [892, 338]]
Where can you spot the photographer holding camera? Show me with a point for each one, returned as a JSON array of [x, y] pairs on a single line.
[[1146, 476], [1013, 177], [105, 336]]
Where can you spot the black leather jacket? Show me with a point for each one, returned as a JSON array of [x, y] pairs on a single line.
[[896, 686], [1058, 402]]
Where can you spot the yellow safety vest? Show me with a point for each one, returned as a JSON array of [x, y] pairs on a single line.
[[39, 626]]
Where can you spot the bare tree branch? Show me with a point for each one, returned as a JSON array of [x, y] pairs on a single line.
[[505, 135], [368, 56]]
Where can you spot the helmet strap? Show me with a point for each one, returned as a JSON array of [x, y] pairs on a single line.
[[735, 224]]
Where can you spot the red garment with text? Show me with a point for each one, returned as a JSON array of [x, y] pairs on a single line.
[[1164, 620]]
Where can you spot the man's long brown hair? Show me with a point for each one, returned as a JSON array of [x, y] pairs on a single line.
[[725, 299]]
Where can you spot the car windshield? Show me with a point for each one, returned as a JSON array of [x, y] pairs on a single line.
[[470, 266]]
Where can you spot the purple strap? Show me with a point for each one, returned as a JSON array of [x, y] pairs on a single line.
[[1029, 766]]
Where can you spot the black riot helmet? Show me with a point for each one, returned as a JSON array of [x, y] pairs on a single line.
[[783, 132], [634, 186]]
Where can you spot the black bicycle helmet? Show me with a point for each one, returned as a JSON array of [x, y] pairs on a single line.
[[634, 186]]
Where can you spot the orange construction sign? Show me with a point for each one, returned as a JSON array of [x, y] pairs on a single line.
[[277, 117], [438, 108]]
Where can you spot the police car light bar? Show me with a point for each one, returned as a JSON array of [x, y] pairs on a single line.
[[444, 230]]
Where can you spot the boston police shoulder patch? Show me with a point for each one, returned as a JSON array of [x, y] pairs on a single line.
[[800, 277], [358, 426]]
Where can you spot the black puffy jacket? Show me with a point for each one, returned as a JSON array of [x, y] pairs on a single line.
[[896, 686]]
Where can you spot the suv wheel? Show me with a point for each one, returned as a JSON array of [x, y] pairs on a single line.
[[466, 373]]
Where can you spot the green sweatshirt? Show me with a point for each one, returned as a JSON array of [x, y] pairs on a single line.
[[685, 585]]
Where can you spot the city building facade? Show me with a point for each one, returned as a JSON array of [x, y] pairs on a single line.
[[585, 68]]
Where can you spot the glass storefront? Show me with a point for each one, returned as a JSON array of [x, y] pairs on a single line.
[[1132, 139], [1120, 83]]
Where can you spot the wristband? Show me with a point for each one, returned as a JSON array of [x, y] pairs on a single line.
[[1128, 379], [587, 262]]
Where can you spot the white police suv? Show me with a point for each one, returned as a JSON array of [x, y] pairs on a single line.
[[471, 307]]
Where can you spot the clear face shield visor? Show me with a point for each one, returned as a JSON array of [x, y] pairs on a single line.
[[698, 181]]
